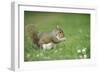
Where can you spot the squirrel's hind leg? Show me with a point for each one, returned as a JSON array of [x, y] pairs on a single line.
[[48, 46]]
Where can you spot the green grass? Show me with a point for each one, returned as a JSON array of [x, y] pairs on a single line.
[[75, 26]]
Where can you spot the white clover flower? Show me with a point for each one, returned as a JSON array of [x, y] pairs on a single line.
[[85, 56], [37, 55], [41, 54], [28, 55], [80, 56], [79, 51], [56, 51], [84, 50]]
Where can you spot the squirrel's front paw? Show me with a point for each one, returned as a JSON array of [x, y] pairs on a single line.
[[62, 39]]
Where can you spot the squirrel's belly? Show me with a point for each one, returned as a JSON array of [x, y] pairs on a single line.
[[47, 46]]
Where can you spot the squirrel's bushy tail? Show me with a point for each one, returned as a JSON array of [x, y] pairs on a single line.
[[32, 33]]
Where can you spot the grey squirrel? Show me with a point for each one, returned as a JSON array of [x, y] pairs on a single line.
[[47, 40]]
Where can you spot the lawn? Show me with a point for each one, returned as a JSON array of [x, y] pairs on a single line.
[[76, 28]]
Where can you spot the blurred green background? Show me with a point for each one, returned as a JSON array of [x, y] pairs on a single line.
[[76, 27]]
